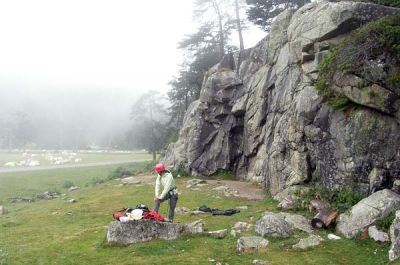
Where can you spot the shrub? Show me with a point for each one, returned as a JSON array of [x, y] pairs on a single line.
[[385, 223], [341, 200], [119, 172], [344, 199], [95, 181], [68, 184]]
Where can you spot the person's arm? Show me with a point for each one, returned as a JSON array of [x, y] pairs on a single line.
[[157, 186], [168, 185]]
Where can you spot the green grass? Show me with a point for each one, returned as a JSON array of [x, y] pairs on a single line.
[[31, 233], [87, 157]]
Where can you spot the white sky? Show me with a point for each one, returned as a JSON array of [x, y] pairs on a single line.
[[95, 49], [92, 43]]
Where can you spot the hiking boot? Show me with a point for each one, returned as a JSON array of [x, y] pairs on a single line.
[[167, 220]]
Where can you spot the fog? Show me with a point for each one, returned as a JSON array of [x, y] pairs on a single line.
[[75, 67]]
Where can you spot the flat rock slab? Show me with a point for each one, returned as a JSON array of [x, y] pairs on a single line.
[[145, 230]]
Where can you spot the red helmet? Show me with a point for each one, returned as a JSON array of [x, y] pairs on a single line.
[[159, 168]]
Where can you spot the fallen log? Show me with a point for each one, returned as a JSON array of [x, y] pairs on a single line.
[[324, 218]]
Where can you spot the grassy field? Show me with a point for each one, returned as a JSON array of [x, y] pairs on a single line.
[[59, 232], [84, 156]]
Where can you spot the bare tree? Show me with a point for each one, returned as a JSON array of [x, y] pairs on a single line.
[[147, 114]]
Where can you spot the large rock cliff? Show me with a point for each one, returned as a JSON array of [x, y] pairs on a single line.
[[264, 120]]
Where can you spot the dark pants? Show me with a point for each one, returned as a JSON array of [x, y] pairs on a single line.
[[173, 199]]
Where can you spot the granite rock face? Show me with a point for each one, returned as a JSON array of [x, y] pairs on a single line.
[[264, 120]]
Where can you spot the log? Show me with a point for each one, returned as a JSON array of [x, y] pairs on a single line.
[[324, 218]]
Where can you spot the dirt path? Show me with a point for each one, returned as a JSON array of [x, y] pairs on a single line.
[[241, 189]]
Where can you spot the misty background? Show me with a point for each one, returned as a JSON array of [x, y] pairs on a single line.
[[71, 70]]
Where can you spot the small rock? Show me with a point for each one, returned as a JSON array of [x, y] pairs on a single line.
[[377, 235], [333, 237], [3, 210], [198, 223], [242, 226], [182, 210], [221, 188], [194, 182], [218, 234], [310, 241], [196, 226], [196, 212], [259, 262]]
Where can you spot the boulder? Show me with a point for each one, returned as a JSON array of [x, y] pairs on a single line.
[[251, 242], [297, 222], [135, 231], [272, 225], [375, 207]]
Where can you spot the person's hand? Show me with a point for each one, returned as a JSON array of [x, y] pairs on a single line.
[[156, 198]]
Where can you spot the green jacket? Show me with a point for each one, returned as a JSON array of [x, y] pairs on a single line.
[[167, 180]]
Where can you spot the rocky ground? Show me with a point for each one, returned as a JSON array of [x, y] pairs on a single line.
[[242, 189]]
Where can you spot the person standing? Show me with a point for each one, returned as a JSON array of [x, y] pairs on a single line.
[[170, 191]]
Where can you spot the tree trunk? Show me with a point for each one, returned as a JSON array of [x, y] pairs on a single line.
[[239, 26], [220, 30], [324, 218], [240, 36]]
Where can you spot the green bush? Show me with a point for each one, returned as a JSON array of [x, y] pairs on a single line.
[[341, 200], [68, 184], [119, 172], [385, 223], [344, 199], [95, 181]]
